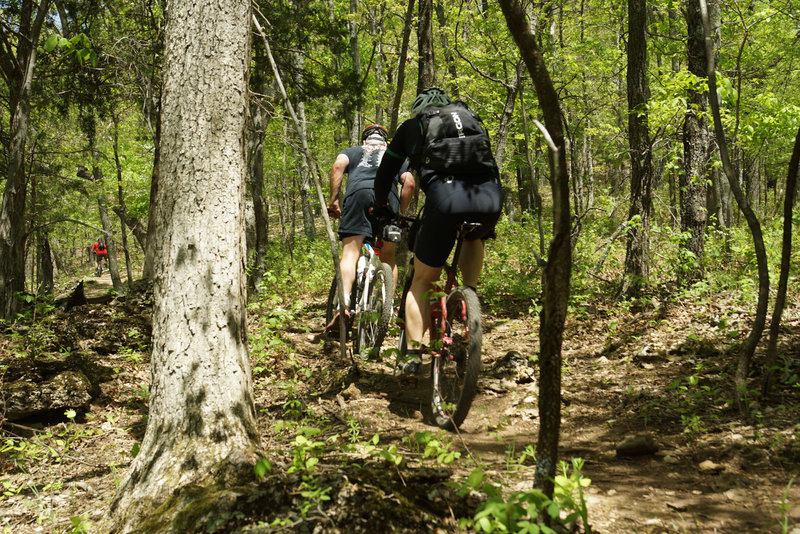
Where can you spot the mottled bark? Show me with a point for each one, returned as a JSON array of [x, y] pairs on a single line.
[[18, 67], [692, 182], [201, 430], [637, 254]]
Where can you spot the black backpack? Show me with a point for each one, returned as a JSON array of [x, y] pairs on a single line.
[[455, 142], [101, 245]]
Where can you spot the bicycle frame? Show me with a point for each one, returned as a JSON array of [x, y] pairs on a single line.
[[439, 342], [372, 253]]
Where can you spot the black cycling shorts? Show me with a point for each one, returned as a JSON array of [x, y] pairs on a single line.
[[355, 220], [450, 202]]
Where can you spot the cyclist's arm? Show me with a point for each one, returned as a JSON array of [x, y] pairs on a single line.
[[390, 166], [407, 185], [337, 174]]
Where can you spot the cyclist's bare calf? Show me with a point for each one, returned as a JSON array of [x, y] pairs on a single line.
[[470, 262], [418, 307]]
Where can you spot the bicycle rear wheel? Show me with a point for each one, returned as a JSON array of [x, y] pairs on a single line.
[[455, 372], [373, 323]]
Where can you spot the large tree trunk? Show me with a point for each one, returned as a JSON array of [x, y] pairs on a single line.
[[694, 217], [201, 430], [18, 71], [637, 255], [557, 272]]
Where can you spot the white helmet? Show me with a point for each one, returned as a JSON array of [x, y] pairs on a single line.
[[429, 98]]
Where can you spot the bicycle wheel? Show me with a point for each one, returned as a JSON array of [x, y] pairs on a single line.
[[333, 302], [455, 372], [373, 323]]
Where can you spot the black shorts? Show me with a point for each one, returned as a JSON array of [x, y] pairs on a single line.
[[450, 202], [355, 220]]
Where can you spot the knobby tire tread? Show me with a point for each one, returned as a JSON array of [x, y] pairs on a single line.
[[380, 302], [472, 351]]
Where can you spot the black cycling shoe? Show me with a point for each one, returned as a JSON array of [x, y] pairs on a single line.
[[409, 364]]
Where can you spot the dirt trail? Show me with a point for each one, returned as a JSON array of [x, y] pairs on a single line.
[[623, 376], [664, 372]]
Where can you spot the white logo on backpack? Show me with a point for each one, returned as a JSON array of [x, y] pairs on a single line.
[[459, 125]]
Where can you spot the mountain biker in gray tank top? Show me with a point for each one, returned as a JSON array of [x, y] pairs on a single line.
[[361, 163]]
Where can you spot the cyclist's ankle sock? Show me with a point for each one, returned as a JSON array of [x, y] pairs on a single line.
[[414, 353]]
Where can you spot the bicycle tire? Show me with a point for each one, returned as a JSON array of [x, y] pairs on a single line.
[[333, 302], [454, 375], [373, 323]]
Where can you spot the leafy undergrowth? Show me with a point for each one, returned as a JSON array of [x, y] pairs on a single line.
[[350, 447]]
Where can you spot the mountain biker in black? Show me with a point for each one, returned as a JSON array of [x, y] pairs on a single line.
[[451, 198], [361, 163]]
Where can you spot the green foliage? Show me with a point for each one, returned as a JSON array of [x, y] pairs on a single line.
[[510, 267], [429, 446], [524, 511]]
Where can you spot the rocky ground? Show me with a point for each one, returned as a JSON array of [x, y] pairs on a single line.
[[646, 405]]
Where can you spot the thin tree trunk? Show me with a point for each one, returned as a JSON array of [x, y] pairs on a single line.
[[401, 68], [153, 211], [786, 261], [320, 196], [355, 56], [427, 73], [556, 277], [692, 190], [447, 50], [637, 255], [45, 270], [749, 346], [259, 119], [108, 229], [122, 213]]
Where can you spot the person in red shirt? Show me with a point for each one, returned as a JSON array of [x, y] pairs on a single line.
[[100, 253]]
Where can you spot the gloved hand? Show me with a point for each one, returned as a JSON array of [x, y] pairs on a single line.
[[383, 213]]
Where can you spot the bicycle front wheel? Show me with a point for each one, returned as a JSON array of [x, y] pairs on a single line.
[[455, 372], [373, 323]]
